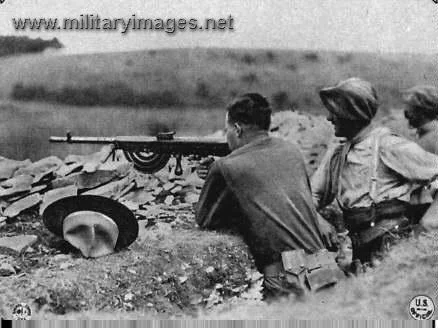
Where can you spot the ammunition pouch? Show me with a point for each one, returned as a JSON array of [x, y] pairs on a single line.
[[312, 271]]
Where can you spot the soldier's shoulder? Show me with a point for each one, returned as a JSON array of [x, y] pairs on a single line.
[[286, 143]]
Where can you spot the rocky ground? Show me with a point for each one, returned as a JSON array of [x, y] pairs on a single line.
[[173, 268]]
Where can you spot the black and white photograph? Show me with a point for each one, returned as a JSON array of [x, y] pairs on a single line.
[[219, 160]]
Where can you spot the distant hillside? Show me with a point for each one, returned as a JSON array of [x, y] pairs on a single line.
[[207, 78], [16, 45]]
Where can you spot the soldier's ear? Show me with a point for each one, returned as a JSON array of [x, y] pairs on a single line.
[[238, 129]]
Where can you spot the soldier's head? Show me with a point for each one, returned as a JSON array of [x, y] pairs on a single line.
[[351, 104], [421, 105], [248, 116]]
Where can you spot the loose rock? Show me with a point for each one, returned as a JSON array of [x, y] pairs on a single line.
[[6, 269], [110, 189], [21, 205], [15, 185], [8, 167], [56, 194], [16, 244]]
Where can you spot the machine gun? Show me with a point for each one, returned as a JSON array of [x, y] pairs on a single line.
[[150, 154]]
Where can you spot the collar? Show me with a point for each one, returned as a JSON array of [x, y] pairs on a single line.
[[256, 141], [426, 128], [362, 135]]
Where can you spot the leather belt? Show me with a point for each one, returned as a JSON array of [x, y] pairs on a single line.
[[358, 219]]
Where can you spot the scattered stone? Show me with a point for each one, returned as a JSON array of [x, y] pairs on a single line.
[[38, 189], [256, 276], [6, 269], [44, 176], [169, 199], [128, 306], [150, 212], [110, 189], [143, 180], [65, 169], [182, 279], [176, 189], [209, 270], [55, 194], [149, 305], [61, 257], [21, 195], [66, 265], [129, 297], [213, 299], [157, 191], [168, 185], [191, 198], [125, 190], [98, 157], [30, 250], [139, 196], [91, 167], [240, 289], [122, 169], [15, 185], [16, 244], [21, 205], [131, 205], [3, 205], [254, 292], [196, 299], [8, 167], [86, 180], [41, 168], [194, 180], [69, 180]]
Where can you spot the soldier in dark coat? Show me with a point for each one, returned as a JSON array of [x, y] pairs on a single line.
[[263, 190]]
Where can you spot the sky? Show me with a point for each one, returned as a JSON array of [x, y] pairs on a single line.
[[345, 25]]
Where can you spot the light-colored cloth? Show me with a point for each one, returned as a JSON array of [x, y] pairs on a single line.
[[353, 99], [403, 166], [428, 136]]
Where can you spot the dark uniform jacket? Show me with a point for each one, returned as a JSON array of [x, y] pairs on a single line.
[[263, 190]]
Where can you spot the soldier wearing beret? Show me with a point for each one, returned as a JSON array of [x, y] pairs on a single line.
[[422, 113]]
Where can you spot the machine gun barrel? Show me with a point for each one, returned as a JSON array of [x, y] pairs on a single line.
[[150, 154], [87, 140]]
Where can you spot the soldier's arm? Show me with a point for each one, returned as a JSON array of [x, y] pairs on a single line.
[[318, 180], [415, 164], [212, 206], [408, 159]]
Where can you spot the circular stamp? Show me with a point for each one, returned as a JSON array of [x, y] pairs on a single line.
[[421, 307], [21, 311]]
